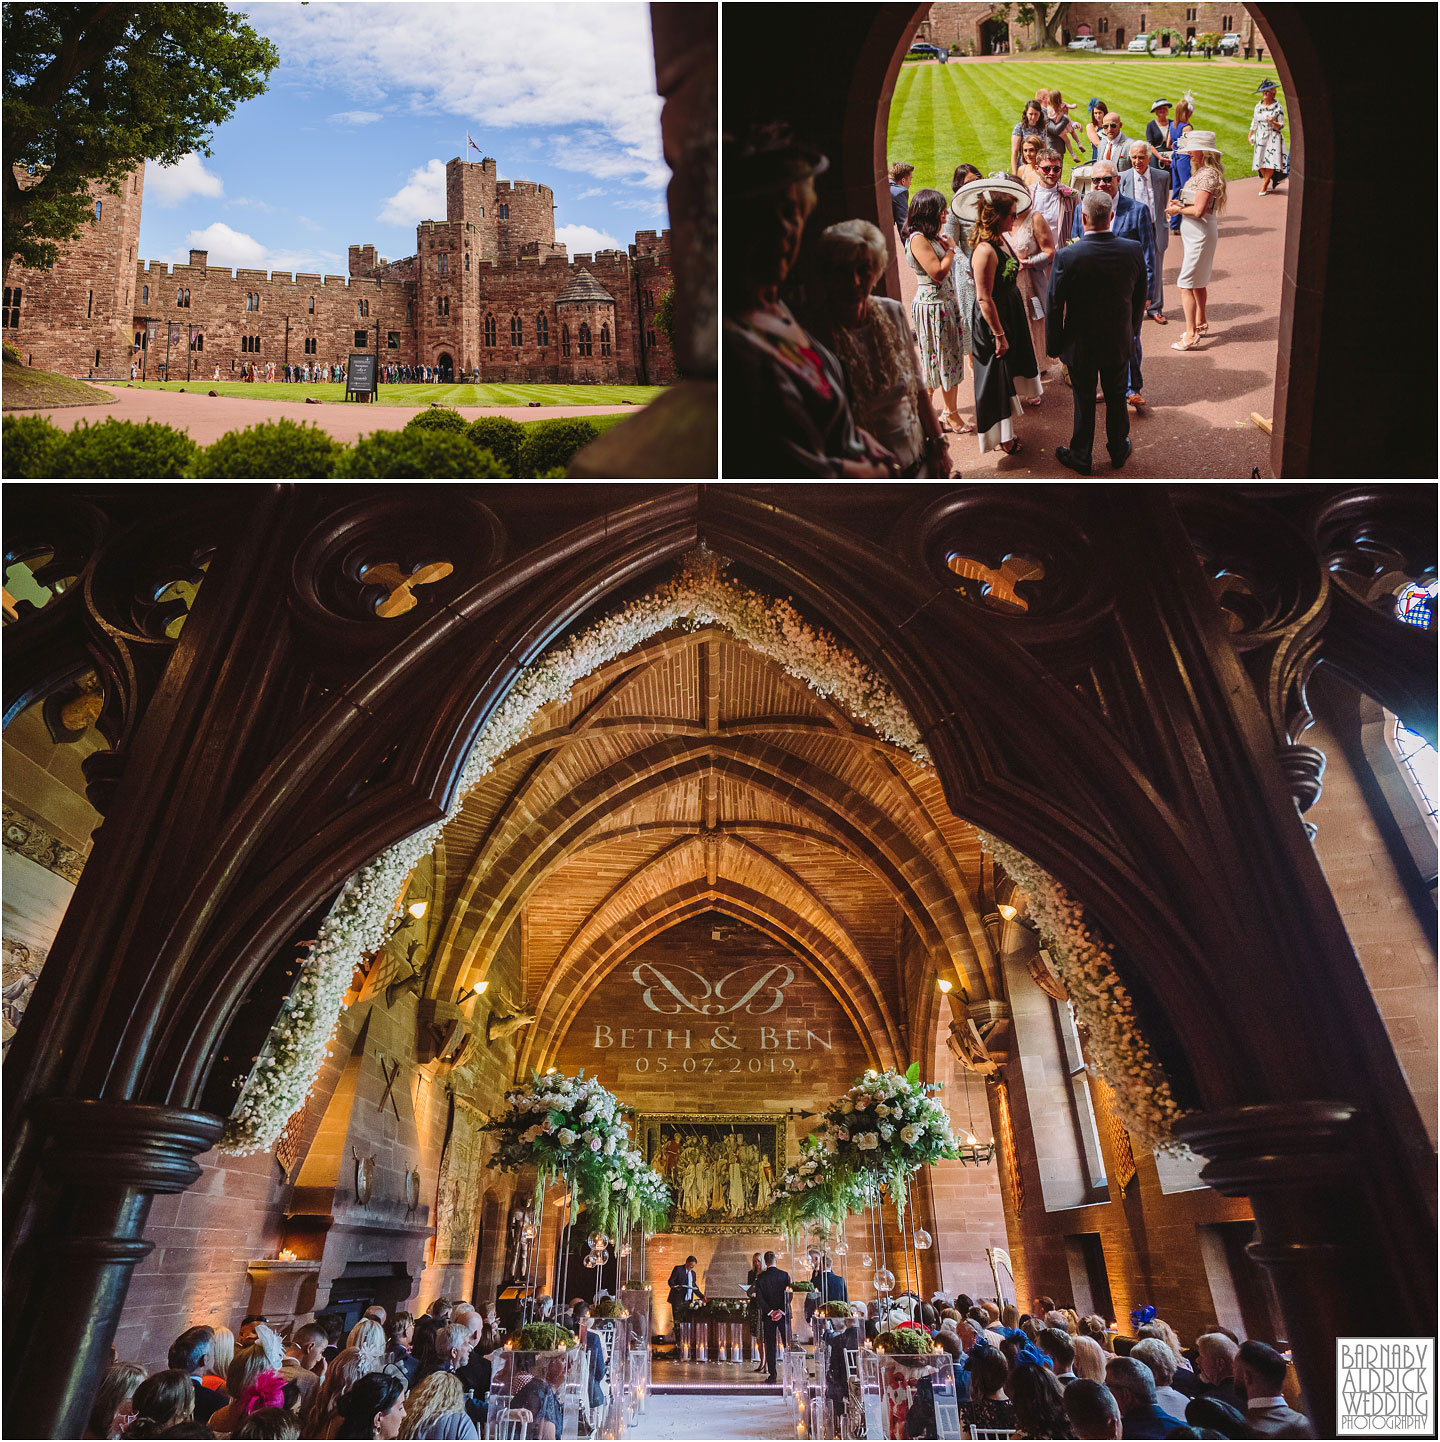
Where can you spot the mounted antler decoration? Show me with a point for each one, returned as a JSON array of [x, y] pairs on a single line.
[[498, 1027]]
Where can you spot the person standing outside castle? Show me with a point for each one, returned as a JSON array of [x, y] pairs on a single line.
[[1267, 135]]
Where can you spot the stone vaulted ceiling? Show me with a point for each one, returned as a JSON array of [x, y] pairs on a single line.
[[694, 776]]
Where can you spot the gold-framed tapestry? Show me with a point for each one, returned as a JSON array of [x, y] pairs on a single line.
[[721, 1169]]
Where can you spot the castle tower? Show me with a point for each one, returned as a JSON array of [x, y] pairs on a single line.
[[586, 313]]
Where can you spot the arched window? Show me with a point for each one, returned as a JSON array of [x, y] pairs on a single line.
[[180, 298], [586, 348], [97, 213], [187, 299], [442, 305], [312, 305], [444, 263], [144, 295], [542, 331], [604, 340], [490, 331], [565, 340], [503, 212], [517, 332], [200, 340], [467, 260], [364, 307]]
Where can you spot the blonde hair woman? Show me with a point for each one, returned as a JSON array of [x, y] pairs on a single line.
[[246, 1365], [436, 1408], [1089, 1359], [221, 1356], [368, 1336], [344, 1371], [1198, 206]]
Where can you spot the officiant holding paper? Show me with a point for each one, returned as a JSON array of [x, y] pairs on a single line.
[[684, 1287]]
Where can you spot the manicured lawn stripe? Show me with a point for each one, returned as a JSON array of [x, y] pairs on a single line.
[[420, 395], [943, 114]]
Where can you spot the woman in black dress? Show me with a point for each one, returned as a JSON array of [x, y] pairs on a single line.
[[1005, 367]]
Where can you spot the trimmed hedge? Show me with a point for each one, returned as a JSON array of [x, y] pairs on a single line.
[[416, 455], [550, 444], [115, 449], [441, 418], [272, 450], [34, 449], [502, 437]]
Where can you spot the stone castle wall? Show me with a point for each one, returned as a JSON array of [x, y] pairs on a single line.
[[1113, 26]]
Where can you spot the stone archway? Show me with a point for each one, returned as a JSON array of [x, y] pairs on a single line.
[[445, 364]]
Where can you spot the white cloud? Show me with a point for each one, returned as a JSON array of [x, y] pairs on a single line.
[[357, 117], [422, 197], [495, 66], [592, 191], [235, 249], [170, 184], [250, 203], [585, 239]]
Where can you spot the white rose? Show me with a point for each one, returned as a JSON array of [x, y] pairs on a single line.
[[565, 1137], [910, 1135], [881, 1110], [886, 1130], [595, 1144], [867, 1141]]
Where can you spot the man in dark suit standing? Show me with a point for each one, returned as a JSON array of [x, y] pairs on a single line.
[[683, 1287], [828, 1286], [190, 1353], [1096, 306], [773, 1290]]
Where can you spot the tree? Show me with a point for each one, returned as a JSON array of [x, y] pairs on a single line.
[[1044, 19], [91, 91]]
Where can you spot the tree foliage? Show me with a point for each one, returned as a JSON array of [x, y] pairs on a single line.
[[93, 90], [1045, 18]]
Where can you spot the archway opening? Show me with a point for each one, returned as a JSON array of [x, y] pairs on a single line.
[[445, 364]]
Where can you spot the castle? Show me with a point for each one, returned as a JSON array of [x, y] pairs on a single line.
[[489, 295]]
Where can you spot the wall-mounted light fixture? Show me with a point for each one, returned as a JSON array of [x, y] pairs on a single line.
[[946, 985], [417, 909], [1007, 911]]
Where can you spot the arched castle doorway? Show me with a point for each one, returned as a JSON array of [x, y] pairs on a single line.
[[446, 366]]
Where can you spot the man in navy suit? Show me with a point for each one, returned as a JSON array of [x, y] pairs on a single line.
[[772, 1289], [1130, 221], [1096, 306]]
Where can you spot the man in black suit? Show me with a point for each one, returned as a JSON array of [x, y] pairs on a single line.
[[773, 1290], [828, 1286], [683, 1287], [190, 1353], [1096, 307]]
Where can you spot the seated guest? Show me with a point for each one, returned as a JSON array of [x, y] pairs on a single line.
[[245, 1337], [190, 1353], [164, 1400], [1092, 1410], [114, 1405], [323, 1418], [1090, 1358], [785, 391], [1212, 1415], [1045, 1304], [1216, 1352], [268, 1424], [1059, 1347], [1039, 1401], [1133, 1385], [1185, 1382], [436, 1409], [452, 1350], [1161, 1362], [870, 336], [538, 1396], [376, 1313], [1261, 1370], [368, 1336], [595, 1350], [373, 1407], [1093, 1326], [222, 1353], [988, 1406], [250, 1383]]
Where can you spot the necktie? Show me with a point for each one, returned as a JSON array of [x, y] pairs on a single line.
[[1109, 148]]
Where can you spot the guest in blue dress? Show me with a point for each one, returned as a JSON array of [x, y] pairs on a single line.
[[1179, 160]]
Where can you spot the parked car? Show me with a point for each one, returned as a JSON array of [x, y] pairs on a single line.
[[1083, 42], [1230, 44], [1140, 42], [924, 47]]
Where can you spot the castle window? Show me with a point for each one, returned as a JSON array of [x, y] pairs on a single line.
[[144, 295], [490, 331], [392, 340], [362, 338], [650, 338], [467, 260], [312, 305], [542, 331], [517, 333], [310, 347], [10, 316], [362, 307], [585, 347], [442, 305], [503, 213], [97, 217], [199, 340], [565, 340], [444, 263], [90, 306], [97, 352], [604, 340]]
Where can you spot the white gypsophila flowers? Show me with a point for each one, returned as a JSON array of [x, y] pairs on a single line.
[[1103, 1005]]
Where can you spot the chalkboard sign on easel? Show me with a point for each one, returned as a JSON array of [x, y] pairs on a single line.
[[361, 377]]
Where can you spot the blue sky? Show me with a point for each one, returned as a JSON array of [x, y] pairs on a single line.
[[349, 144]]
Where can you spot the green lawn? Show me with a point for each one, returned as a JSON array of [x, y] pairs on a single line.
[[421, 395], [945, 114]]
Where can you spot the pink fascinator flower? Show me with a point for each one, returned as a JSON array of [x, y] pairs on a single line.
[[267, 1390]]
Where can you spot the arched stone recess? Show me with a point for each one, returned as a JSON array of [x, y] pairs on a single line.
[[844, 973]]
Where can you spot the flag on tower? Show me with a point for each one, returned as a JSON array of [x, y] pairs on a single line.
[[473, 146]]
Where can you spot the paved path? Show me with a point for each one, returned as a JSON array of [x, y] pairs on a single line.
[[1197, 422], [207, 418], [695, 1419]]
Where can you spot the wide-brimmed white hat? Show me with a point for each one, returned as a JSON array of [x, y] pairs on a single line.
[[1199, 140], [966, 204], [1166, 103]]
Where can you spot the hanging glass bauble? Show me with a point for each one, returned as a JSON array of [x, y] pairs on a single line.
[[588, 1261], [923, 1240], [595, 1239], [884, 1280], [841, 1248], [867, 1261]]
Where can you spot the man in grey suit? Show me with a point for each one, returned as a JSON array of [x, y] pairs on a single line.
[[1113, 145], [1261, 1371], [1149, 185]]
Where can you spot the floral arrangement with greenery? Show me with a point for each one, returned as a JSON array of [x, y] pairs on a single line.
[[907, 1341], [834, 1309], [802, 1286], [608, 1309], [715, 1309], [572, 1127], [542, 1337]]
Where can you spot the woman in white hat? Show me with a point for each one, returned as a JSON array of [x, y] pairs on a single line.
[[1198, 206], [1005, 367], [1267, 135]]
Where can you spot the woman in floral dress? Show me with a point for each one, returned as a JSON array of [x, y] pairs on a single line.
[[1267, 135], [934, 312]]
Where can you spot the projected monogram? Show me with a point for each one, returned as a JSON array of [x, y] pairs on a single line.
[[755, 990]]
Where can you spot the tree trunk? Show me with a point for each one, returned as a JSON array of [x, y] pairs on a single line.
[[1051, 28]]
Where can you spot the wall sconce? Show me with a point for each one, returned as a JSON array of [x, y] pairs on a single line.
[[417, 909], [478, 989], [1007, 911], [946, 985]]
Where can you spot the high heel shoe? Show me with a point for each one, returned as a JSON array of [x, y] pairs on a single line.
[[1186, 342]]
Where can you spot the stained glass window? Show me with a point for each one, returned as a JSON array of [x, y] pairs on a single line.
[[1415, 604]]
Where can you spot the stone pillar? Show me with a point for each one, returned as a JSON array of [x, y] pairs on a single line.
[[105, 1161]]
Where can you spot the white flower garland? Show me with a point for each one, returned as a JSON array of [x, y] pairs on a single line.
[[1103, 1005], [368, 907]]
